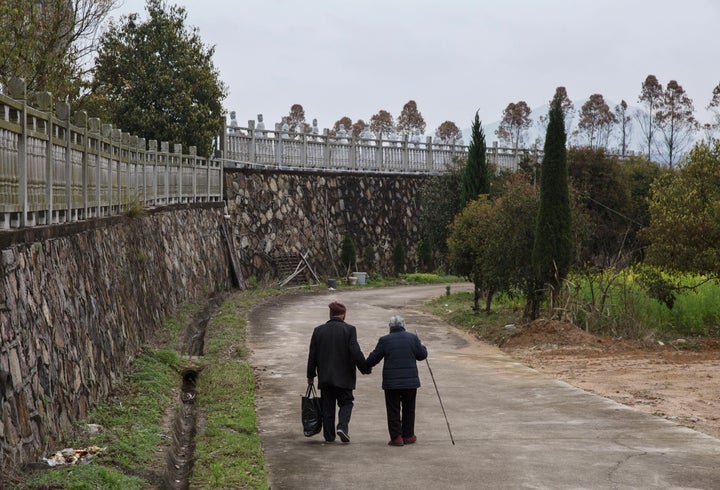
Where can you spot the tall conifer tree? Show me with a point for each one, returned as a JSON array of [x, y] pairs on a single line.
[[553, 246], [476, 179]]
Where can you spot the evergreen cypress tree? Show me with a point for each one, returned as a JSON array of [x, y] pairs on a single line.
[[476, 179], [552, 252]]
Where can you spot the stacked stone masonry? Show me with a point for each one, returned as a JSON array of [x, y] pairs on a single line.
[[75, 309], [78, 301], [296, 213]]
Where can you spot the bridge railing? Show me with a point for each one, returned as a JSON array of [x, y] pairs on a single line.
[[251, 146], [56, 169]]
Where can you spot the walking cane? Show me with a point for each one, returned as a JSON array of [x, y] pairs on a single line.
[[438, 395]]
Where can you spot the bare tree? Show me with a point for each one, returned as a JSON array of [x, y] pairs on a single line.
[[676, 120], [650, 97], [410, 119], [50, 43], [357, 128], [714, 108], [296, 118], [449, 131], [624, 125], [514, 124], [345, 121], [382, 123], [567, 108], [596, 121]]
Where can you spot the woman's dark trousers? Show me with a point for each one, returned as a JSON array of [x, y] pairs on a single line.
[[400, 406]]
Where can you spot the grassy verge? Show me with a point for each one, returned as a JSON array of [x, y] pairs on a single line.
[[456, 309], [615, 307], [131, 432], [228, 451], [135, 423]]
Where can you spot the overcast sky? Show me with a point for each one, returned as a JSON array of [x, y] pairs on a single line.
[[453, 57]]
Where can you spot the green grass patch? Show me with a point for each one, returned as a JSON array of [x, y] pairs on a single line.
[[457, 310], [425, 278], [376, 280], [85, 477], [611, 304], [131, 434], [228, 452], [618, 304]]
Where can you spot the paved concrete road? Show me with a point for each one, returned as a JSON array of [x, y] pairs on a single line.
[[513, 427]]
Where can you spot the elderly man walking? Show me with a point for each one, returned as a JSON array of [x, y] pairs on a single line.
[[401, 351], [334, 354]]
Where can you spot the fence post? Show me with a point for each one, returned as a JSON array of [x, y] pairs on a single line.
[[193, 164], [133, 164], [165, 150], [43, 102], [326, 155], [223, 137], [405, 153], [153, 156], [125, 182], [429, 154], [80, 119], [379, 155], [353, 152], [106, 133], [94, 129], [177, 150], [116, 145], [18, 91], [63, 113], [251, 149], [304, 160], [142, 169], [278, 145]]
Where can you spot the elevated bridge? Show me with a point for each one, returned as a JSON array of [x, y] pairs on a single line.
[[284, 149]]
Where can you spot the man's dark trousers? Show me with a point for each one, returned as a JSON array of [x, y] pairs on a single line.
[[344, 398], [394, 399]]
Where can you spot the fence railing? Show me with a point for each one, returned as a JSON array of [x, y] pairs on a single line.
[[251, 146], [55, 170]]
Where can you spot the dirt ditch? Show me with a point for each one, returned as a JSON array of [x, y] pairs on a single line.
[[180, 454]]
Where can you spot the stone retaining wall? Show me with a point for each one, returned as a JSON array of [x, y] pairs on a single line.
[[275, 213], [76, 308], [78, 301]]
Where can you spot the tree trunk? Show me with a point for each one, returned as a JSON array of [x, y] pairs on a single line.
[[488, 300], [476, 299]]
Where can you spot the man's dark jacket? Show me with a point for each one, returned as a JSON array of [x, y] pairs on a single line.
[[401, 350], [334, 354]]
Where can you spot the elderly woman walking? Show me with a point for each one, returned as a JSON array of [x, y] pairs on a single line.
[[401, 351]]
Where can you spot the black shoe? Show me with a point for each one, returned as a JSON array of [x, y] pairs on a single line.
[[344, 437]]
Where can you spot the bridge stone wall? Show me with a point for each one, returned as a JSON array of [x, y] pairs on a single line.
[[77, 302], [277, 213]]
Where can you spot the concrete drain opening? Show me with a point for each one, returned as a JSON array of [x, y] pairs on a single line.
[[180, 455]]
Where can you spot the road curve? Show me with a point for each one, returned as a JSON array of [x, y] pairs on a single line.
[[514, 428]]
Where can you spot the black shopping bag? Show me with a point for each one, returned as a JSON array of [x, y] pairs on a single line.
[[311, 412]]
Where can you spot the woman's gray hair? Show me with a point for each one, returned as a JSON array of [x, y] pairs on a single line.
[[397, 321]]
